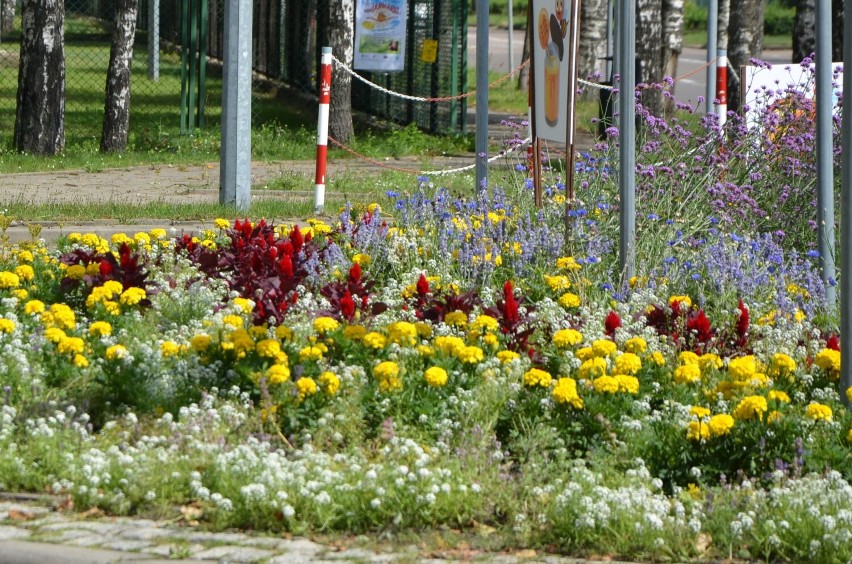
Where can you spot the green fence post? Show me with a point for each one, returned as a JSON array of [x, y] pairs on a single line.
[[193, 55], [184, 53], [202, 71], [454, 68]]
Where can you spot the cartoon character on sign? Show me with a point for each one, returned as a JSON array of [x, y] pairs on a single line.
[[552, 29]]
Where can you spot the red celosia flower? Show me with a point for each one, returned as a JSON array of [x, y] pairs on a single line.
[[833, 343], [701, 326], [422, 285], [611, 323], [355, 274], [296, 238], [347, 306], [510, 305], [742, 324]]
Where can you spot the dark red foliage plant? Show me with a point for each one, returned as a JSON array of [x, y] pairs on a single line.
[[129, 268]]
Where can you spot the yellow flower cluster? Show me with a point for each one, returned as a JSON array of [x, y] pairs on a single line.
[[829, 360], [6, 325], [403, 333], [567, 263], [133, 296], [627, 363], [374, 340], [306, 386], [105, 295], [456, 318], [484, 324], [635, 345], [687, 373], [9, 280], [565, 338], [751, 407], [537, 377], [330, 382], [435, 376], [558, 283], [470, 355], [569, 300], [508, 356], [116, 352], [388, 374], [781, 365], [818, 412], [277, 374], [592, 368], [565, 392], [323, 325], [59, 315]]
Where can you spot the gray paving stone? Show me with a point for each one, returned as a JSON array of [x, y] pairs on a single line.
[[303, 546], [300, 558], [65, 535], [172, 549], [87, 540], [100, 527], [265, 542], [359, 554], [234, 553], [204, 536], [127, 545], [148, 533], [8, 533]]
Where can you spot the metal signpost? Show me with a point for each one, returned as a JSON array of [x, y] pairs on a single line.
[[846, 216], [627, 139], [481, 95], [825, 149], [154, 39], [712, 45]]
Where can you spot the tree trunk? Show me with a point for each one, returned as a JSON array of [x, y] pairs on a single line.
[[724, 18], [672, 46], [117, 104], [524, 74], [745, 40], [341, 26], [40, 117], [592, 46], [837, 30], [804, 30], [649, 35], [7, 15]]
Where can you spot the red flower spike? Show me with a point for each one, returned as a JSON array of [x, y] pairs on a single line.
[[833, 343], [701, 326], [510, 305], [611, 323], [286, 266], [297, 239], [742, 324], [355, 274], [422, 285], [347, 306]]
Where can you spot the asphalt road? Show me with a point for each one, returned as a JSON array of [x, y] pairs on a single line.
[[687, 89]]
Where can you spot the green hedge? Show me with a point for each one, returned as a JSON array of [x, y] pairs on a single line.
[[777, 19]]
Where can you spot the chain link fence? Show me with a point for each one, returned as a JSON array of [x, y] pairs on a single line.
[[287, 39]]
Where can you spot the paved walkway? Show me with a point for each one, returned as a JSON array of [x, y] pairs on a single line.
[[34, 533]]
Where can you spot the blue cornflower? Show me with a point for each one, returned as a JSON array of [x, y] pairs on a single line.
[[813, 254]]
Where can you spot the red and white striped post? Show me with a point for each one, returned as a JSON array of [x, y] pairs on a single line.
[[722, 85], [322, 129]]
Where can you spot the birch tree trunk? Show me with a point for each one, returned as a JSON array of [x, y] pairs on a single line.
[[7, 15], [649, 49], [672, 46], [117, 104], [341, 30], [745, 40], [40, 117], [592, 47], [804, 30], [724, 18], [524, 74]]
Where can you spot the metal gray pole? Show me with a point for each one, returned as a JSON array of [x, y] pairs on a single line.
[[511, 37], [154, 39], [846, 215], [481, 94], [712, 45], [235, 159], [627, 137], [825, 148]]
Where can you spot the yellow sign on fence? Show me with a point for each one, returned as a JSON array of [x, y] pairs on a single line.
[[429, 54]]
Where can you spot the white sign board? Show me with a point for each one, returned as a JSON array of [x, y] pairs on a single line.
[[380, 34], [554, 51]]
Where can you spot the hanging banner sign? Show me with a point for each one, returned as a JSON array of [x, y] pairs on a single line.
[[554, 65], [380, 34]]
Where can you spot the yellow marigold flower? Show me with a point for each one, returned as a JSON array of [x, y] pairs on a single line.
[[742, 368], [268, 348], [306, 386], [169, 348], [828, 360], [142, 238], [112, 307], [490, 339], [80, 361], [241, 341], [699, 412], [558, 283], [362, 259], [374, 208], [133, 296], [385, 370], [565, 338], [323, 325], [284, 333], [221, 223], [470, 355], [25, 272], [374, 340], [485, 323], [277, 374], [567, 263], [116, 352], [25, 256], [565, 391], [390, 384], [435, 376], [708, 361], [310, 353], [330, 382], [627, 363], [112, 288], [628, 384], [425, 350], [6, 325], [245, 305], [21, 294], [537, 377], [818, 412], [9, 280], [569, 300], [688, 357], [60, 315], [234, 321], [604, 348], [697, 431], [720, 424], [158, 233], [93, 269], [687, 373], [635, 345], [354, 332], [774, 416], [200, 342], [751, 407], [592, 368], [259, 332], [849, 394], [100, 329], [456, 318], [449, 344], [605, 384], [778, 395], [685, 301], [781, 365], [424, 330], [54, 334], [119, 238], [585, 353], [658, 358], [402, 333], [508, 356]]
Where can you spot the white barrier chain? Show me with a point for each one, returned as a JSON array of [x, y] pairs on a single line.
[[471, 167], [596, 85]]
